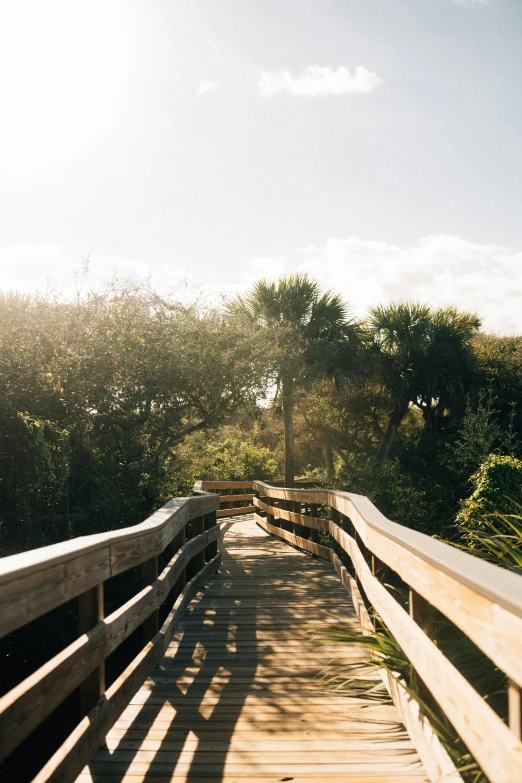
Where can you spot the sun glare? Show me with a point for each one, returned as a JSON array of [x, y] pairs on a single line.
[[63, 76]]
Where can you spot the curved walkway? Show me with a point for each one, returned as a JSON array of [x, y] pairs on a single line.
[[236, 697]]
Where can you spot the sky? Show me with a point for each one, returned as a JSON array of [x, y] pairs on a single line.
[[201, 145]]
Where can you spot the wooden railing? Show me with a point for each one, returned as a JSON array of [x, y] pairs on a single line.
[[481, 599], [365, 548], [233, 496], [32, 583]]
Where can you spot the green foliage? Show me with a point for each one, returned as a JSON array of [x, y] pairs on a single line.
[[497, 489], [97, 394], [392, 488], [311, 332], [498, 538], [383, 651], [224, 455], [477, 436]]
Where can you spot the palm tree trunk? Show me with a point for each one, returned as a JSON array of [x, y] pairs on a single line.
[[328, 459], [288, 422], [390, 434]]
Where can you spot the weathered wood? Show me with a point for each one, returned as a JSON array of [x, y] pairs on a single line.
[[235, 498], [149, 574], [301, 519], [303, 543], [232, 512], [70, 758], [30, 702], [206, 485], [483, 600], [90, 613], [496, 749], [515, 709], [218, 719], [32, 583]]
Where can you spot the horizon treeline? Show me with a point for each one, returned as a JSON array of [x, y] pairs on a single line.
[[114, 403]]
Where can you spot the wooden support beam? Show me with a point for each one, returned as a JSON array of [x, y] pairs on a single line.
[[149, 574], [422, 612], [90, 613], [198, 561], [210, 521], [314, 512], [515, 709]]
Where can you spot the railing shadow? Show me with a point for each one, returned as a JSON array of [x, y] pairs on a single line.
[[186, 724]]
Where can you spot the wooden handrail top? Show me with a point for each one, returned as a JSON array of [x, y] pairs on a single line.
[[203, 485], [34, 582], [497, 584], [179, 509]]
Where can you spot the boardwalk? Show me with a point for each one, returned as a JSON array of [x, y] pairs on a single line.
[[235, 698]]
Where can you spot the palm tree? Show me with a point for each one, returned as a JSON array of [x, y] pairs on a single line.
[[312, 337], [425, 357]]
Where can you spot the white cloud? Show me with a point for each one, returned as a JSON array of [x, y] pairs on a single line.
[[48, 269], [206, 85], [319, 80], [442, 270]]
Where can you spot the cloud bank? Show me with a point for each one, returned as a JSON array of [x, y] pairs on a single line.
[[206, 85], [319, 80], [441, 270]]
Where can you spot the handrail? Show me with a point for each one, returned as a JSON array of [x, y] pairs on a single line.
[[483, 600], [228, 501], [498, 584], [32, 583]]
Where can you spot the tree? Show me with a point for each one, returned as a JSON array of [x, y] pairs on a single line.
[[312, 336], [497, 491], [96, 397], [424, 358]]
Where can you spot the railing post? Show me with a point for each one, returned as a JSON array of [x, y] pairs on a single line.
[[198, 561], [515, 709], [177, 543], [149, 574], [90, 613], [315, 513], [422, 612], [210, 521]]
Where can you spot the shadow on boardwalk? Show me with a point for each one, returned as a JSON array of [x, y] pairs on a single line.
[[197, 694]]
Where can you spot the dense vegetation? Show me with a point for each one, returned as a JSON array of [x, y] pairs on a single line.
[[115, 402]]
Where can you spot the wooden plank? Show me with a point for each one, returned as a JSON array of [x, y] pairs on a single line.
[[90, 613], [205, 485], [254, 705], [496, 749], [32, 583], [303, 543], [348, 776], [515, 709], [483, 600], [233, 512], [433, 754], [26, 705], [235, 498], [70, 758], [316, 496], [149, 575], [315, 523]]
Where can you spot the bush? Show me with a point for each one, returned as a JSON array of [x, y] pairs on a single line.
[[497, 489]]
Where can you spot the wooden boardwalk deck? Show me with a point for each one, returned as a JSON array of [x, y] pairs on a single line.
[[235, 697]]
